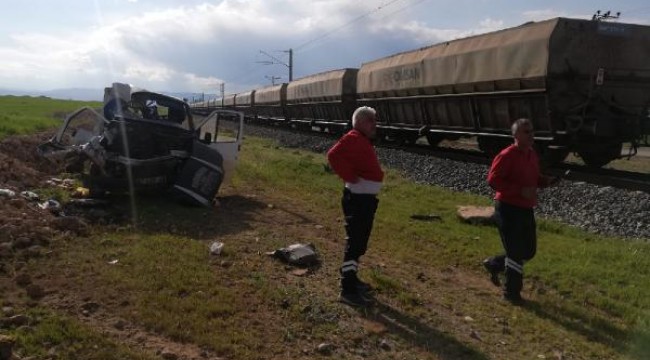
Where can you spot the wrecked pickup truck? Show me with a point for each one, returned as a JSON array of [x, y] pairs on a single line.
[[144, 140]]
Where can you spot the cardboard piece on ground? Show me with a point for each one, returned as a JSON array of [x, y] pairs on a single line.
[[477, 215]]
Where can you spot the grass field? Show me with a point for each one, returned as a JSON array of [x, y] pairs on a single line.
[[589, 296], [25, 114]]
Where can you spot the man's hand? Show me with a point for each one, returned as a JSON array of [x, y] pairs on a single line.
[[529, 192]]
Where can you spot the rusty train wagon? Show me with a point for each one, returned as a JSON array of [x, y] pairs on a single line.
[[584, 84], [325, 100]]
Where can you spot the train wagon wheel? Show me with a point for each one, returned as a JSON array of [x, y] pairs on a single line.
[[434, 139], [602, 155], [551, 156], [492, 146], [408, 139]]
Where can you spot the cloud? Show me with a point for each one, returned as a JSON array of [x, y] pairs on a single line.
[[423, 35], [185, 46], [537, 15]]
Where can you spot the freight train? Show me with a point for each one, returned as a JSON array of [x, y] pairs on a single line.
[[585, 84]]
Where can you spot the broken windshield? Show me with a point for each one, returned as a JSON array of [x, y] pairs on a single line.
[[81, 127]]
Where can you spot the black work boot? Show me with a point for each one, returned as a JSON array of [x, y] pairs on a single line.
[[514, 299], [494, 273], [364, 287], [354, 299]]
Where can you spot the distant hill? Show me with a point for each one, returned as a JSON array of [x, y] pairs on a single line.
[[76, 94], [65, 94], [87, 94], [190, 96]]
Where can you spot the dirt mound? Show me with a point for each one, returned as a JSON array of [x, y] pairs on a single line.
[[21, 167], [27, 225], [16, 174]]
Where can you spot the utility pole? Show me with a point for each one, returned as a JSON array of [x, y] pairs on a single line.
[[222, 89], [273, 78], [290, 51], [278, 61]]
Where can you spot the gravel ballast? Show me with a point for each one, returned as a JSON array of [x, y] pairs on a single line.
[[597, 209]]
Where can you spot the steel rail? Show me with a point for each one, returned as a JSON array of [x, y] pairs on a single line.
[[633, 181]]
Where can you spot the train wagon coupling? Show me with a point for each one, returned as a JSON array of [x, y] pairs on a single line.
[[143, 141]]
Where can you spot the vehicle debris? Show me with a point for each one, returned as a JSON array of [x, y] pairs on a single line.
[[7, 193], [297, 254], [87, 203], [30, 195], [52, 205], [147, 141], [216, 248]]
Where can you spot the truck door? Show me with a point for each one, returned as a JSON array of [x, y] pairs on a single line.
[[223, 131]]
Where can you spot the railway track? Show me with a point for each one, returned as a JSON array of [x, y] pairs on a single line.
[[628, 180], [570, 172], [605, 177]]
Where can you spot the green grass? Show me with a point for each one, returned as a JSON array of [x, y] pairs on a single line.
[[25, 114], [56, 337], [175, 290], [601, 282], [172, 288]]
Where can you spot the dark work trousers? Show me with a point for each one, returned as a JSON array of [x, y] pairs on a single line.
[[518, 234], [359, 211]]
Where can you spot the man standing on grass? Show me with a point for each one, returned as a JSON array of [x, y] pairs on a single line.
[[354, 160], [515, 176]]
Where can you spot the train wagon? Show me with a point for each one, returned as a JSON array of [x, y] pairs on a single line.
[[325, 100], [584, 84], [245, 102], [229, 101], [271, 102], [213, 103]]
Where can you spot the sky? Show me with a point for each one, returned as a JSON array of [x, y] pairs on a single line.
[[195, 45]]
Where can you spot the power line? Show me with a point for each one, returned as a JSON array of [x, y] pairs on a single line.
[[380, 7], [253, 72], [278, 61], [403, 8], [273, 78]]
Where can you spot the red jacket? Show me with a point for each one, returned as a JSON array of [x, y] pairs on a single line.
[[354, 157], [513, 169]]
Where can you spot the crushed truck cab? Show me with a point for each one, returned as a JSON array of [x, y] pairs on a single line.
[[147, 141]]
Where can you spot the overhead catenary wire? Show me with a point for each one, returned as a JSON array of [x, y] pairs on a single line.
[[356, 19], [255, 70], [403, 8]]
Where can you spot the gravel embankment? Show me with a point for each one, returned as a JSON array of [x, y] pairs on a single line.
[[594, 208]]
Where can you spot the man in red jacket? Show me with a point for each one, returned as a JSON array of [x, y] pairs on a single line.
[[354, 160], [515, 176]]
